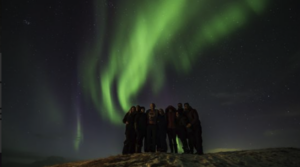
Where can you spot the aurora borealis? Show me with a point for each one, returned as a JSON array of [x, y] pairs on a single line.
[[151, 31], [72, 70]]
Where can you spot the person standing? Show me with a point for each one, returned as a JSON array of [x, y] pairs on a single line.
[[188, 131], [195, 125], [151, 128], [129, 132], [140, 128], [171, 129], [181, 132], [137, 110], [161, 131]]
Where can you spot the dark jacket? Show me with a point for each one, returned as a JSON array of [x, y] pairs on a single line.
[[140, 122], [129, 117], [170, 117], [181, 123], [180, 110], [152, 116], [161, 124], [192, 117]]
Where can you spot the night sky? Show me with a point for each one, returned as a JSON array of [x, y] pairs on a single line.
[[70, 71]]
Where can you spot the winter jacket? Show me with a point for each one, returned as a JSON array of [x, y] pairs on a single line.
[[129, 117], [140, 122], [170, 117], [152, 116], [192, 117], [161, 124]]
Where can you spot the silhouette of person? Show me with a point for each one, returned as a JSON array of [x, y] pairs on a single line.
[[151, 127], [138, 108], [128, 119], [140, 128], [161, 131], [171, 128], [179, 107], [194, 125], [181, 122], [188, 132]]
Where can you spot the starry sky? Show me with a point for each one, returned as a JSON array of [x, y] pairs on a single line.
[[70, 71]]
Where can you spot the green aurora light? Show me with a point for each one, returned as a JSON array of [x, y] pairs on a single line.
[[79, 134], [147, 36]]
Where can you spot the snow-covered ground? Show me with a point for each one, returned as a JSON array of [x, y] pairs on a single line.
[[275, 157]]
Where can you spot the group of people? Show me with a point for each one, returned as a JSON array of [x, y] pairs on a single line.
[[150, 128]]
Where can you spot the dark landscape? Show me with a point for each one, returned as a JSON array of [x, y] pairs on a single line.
[[275, 157]]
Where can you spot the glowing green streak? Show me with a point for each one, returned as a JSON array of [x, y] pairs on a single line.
[[147, 36], [139, 51], [90, 66], [79, 135], [257, 5], [106, 87], [213, 30], [179, 145]]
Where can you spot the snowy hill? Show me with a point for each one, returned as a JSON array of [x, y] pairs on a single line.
[[276, 157]]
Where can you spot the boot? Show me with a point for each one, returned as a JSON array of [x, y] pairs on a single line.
[[200, 151], [175, 148]]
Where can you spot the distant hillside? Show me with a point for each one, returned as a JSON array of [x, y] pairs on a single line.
[[275, 157], [47, 161]]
